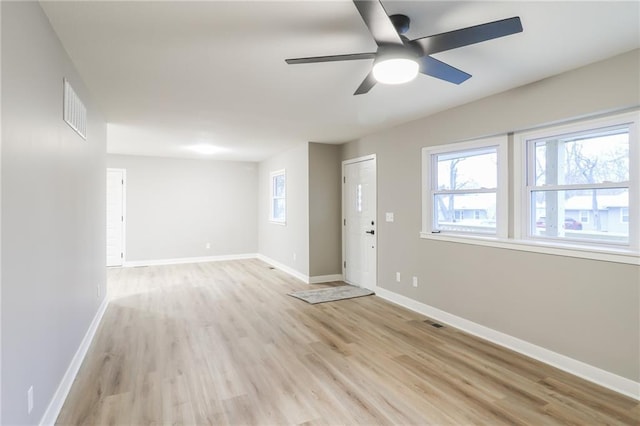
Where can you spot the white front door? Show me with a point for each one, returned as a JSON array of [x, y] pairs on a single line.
[[359, 222], [115, 217]]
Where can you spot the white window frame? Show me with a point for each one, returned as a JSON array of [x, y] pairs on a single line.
[[428, 192], [576, 248], [272, 197]]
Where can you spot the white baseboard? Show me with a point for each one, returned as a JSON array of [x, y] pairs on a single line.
[[302, 277], [181, 260], [305, 278], [53, 410], [578, 368], [325, 278]]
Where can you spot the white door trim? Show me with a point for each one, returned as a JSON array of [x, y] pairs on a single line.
[[344, 255], [124, 211]]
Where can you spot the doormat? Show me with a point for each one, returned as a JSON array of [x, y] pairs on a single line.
[[331, 294]]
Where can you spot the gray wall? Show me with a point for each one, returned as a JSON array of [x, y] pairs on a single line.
[[0, 223], [587, 310], [325, 210], [53, 214], [174, 207], [281, 242]]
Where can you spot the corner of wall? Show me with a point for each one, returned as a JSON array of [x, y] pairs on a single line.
[[325, 210], [286, 244]]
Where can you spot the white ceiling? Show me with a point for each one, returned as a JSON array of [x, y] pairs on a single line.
[[171, 74]]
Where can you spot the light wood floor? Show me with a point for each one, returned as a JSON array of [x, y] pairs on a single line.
[[222, 343]]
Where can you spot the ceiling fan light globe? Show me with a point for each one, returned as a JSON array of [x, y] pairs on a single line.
[[395, 70]]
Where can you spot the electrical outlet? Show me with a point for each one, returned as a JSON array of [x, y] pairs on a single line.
[[98, 291], [294, 257], [207, 246], [398, 277], [415, 281], [389, 216], [30, 400]]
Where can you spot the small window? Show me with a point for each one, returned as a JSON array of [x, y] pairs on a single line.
[[584, 216], [278, 199], [578, 183], [464, 188], [624, 215]]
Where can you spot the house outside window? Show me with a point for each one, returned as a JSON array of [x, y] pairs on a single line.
[[464, 188], [278, 197]]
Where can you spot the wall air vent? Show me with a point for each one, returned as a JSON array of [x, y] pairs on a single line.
[[75, 113]]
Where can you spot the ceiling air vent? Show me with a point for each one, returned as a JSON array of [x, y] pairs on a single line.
[[75, 113]]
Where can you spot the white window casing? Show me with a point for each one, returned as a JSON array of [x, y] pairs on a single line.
[[521, 231], [471, 223], [527, 186]]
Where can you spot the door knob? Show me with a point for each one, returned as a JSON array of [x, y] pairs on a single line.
[[372, 232]]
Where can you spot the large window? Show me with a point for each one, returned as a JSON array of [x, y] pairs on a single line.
[[465, 188], [571, 190], [278, 197], [579, 182]]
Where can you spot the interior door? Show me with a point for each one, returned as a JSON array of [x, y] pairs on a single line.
[[360, 222], [115, 217]]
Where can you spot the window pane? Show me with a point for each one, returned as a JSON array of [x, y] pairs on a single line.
[[465, 212], [467, 170], [279, 209], [584, 216], [624, 218], [278, 186], [557, 214], [595, 157]]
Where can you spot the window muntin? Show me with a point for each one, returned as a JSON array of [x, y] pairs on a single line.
[[278, 200], [575, 175], [462, 194]]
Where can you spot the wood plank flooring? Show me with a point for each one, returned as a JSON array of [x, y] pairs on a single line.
[[221, 343]]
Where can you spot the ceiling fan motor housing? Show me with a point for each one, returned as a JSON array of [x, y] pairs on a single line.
[[408, 51], [401, 22]]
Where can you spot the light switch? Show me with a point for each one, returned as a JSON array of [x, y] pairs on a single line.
[[389, 217]]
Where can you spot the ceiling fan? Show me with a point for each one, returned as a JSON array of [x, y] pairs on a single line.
[[398, 59]]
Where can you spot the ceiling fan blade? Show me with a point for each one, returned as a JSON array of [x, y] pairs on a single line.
[[438, 69], [470, 35], [378, 22], [332, 58], [366, 85]]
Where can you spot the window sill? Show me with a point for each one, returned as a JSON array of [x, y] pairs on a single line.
[[276, 222], [616, 255]]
